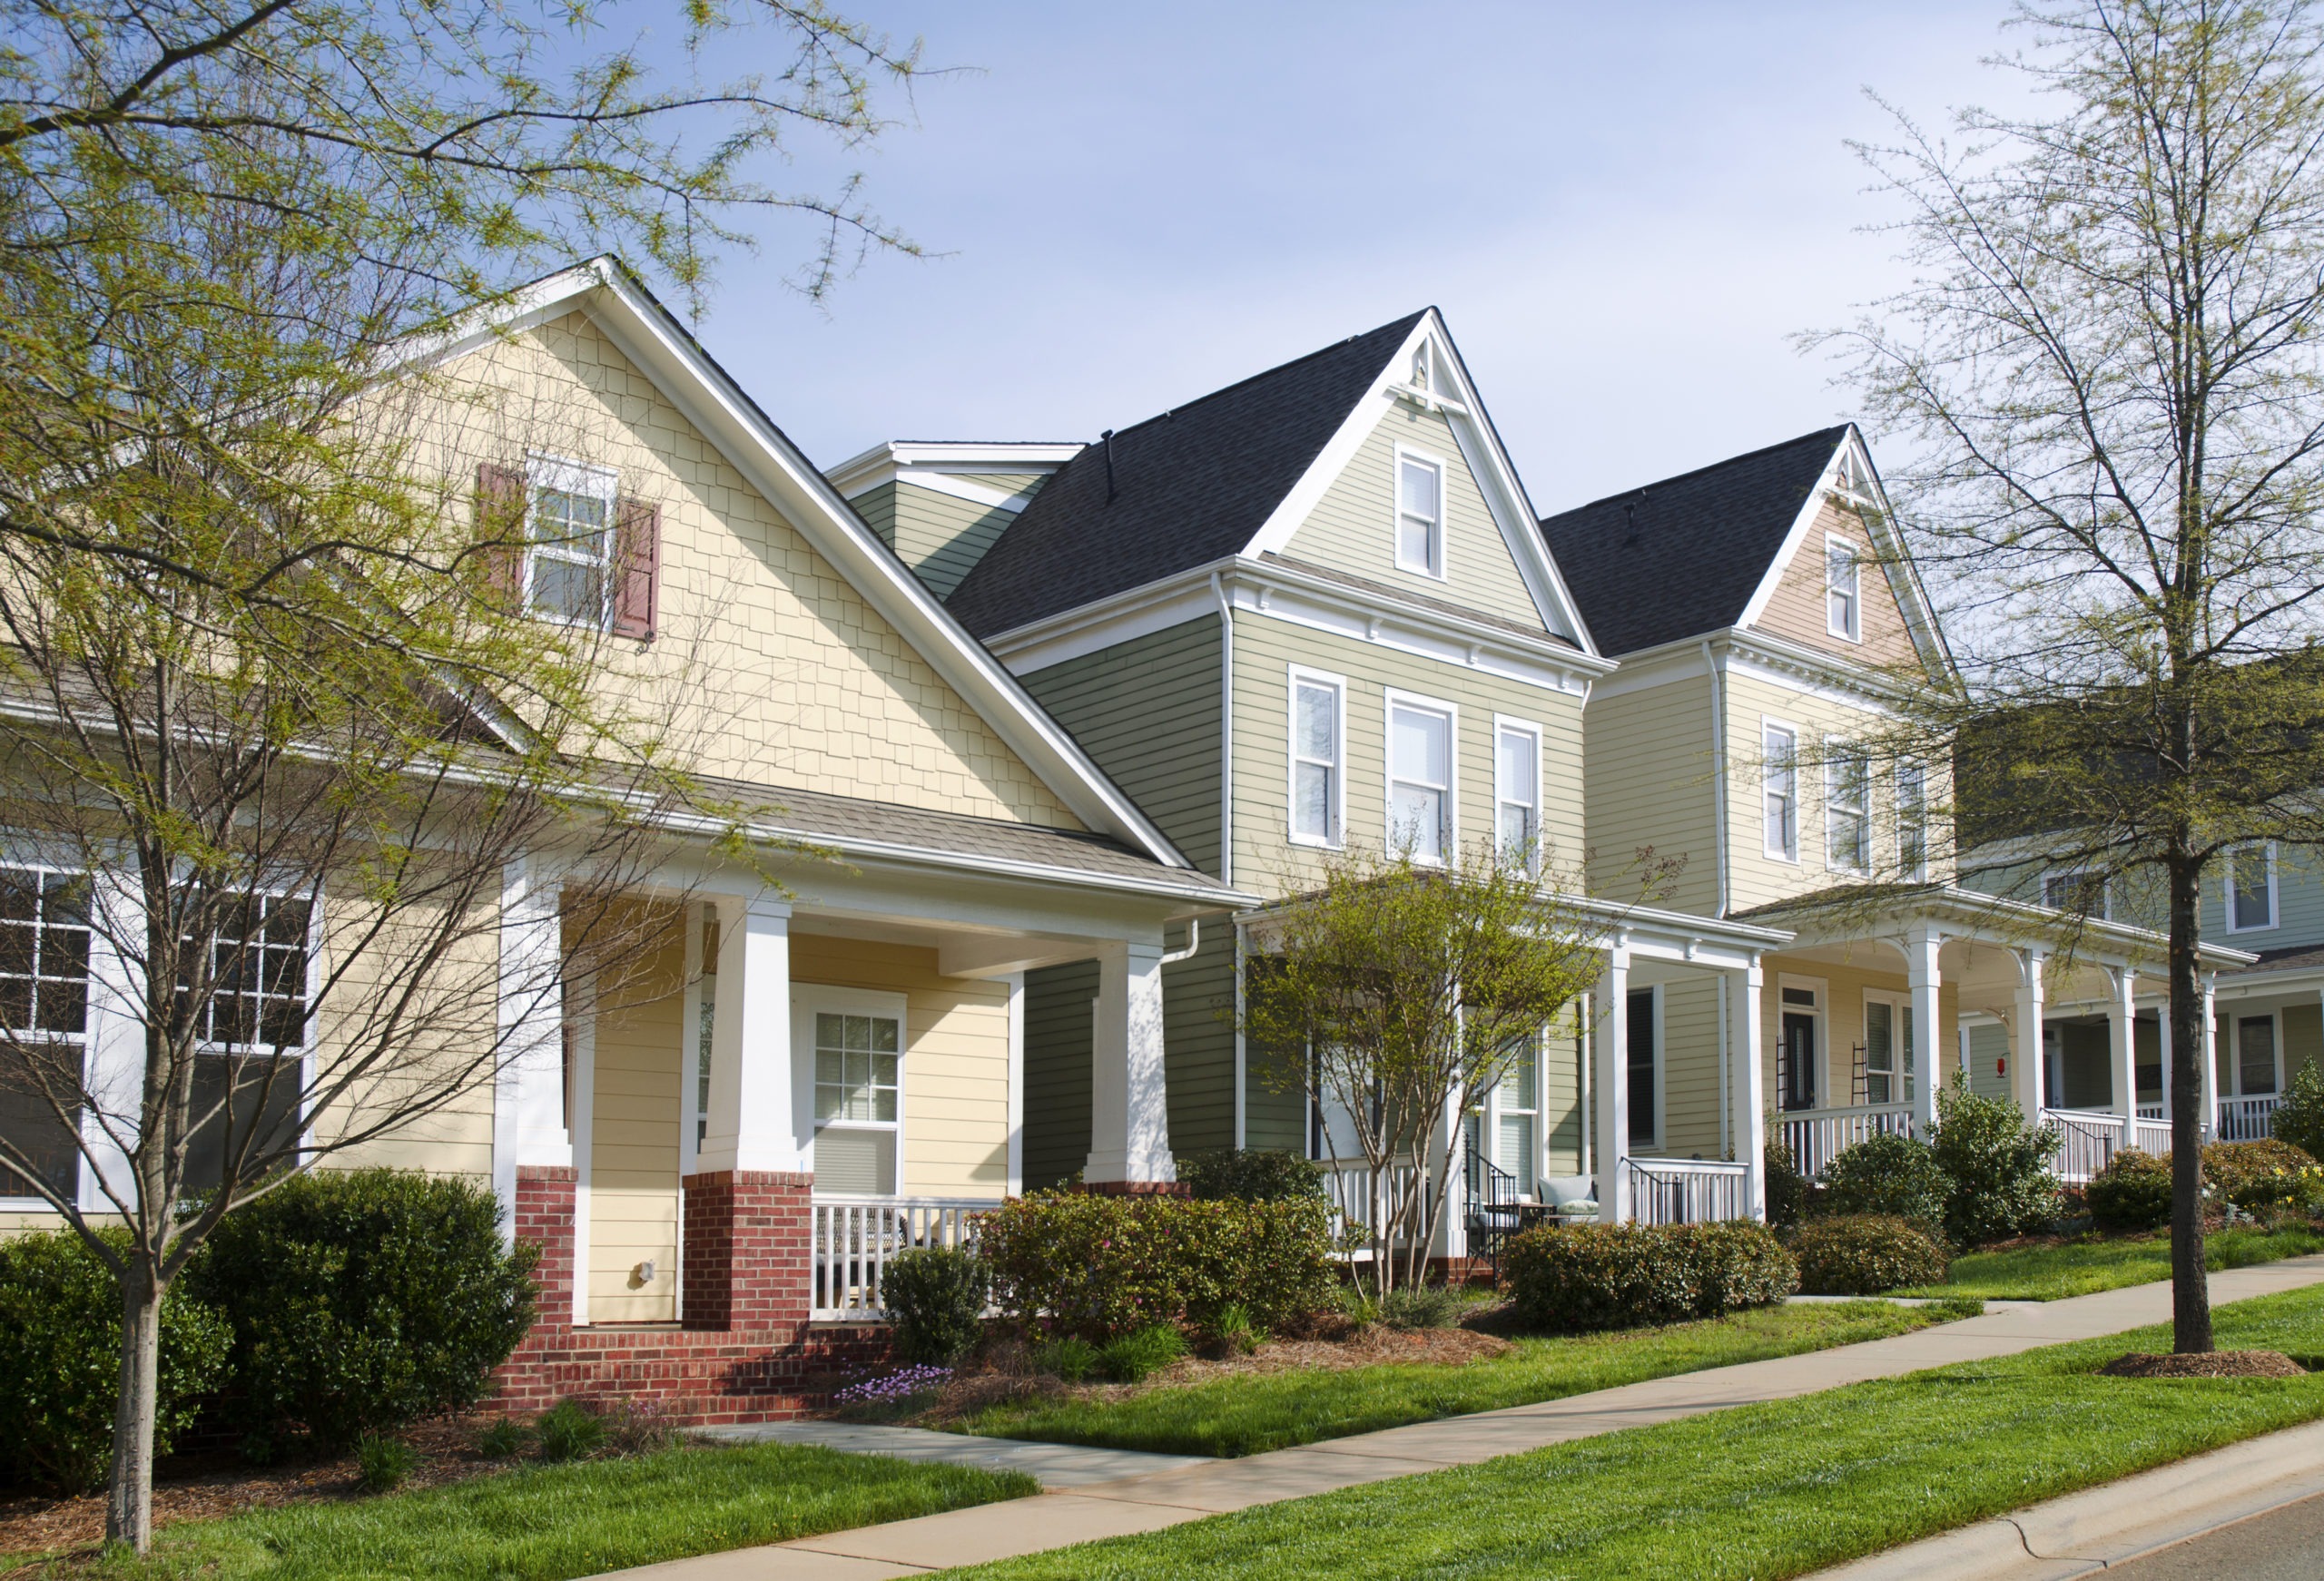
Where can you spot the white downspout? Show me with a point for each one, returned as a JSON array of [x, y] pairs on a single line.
[[1718, 774], [1225, 732]]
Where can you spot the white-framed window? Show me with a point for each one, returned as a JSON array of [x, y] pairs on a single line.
[[1517, 790], [2077, 890], [569, 530], [253, 1027], [1847, 808], [2258, 1067], [2251, 887], [1420, 778], [1643, 1070], [1843, 589], [1318, 758], [1517, 1116], [1420, 512], [1891, 1066], [44, 936], [857, 1038], [1912, 820], [1779, 789]]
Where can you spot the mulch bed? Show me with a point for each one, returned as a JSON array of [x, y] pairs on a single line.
[[200, 1487], [2210, 1364]]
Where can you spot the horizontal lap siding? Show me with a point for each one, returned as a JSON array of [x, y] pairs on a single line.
[[634, 1120], [1690, 1069], [1651, 772], [1797, 606], [942, 536], [1056, 1070], [1845, 986]]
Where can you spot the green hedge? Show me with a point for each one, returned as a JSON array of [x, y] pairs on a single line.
[[1250, 1175], [1887, 1176], [2132, 1193], [1617, 1276], [934, 1297], [1076, 1262], [1865, 1253], [1996, 1166], [60, 1361]]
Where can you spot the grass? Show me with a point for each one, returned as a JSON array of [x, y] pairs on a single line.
[[548, 1523], [1246, 1413], [2048, 1273], [1760, 1491]]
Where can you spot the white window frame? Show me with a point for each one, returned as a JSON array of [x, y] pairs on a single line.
[[1850, 627], [1441, 570], [1769, 726], [810, 999], [1297, 676], [1451, 713], [1838, 753], [85, 1039], [1503, 726], [1912, 819], [1496, 1105], [565, 476], [2275, 916], [2233, 1085], [2106, 912], [1900, 1013], [1660, 1061], [1820, 1074]]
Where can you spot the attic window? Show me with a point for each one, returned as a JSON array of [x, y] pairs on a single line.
[[1843, 590], [1420, 514]]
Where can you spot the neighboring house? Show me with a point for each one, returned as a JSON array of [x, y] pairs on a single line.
[[1763, 612], [713, 1162]]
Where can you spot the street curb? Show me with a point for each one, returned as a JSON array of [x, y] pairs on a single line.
[[2082, 1533]]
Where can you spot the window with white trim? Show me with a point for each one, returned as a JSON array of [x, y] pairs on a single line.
[[1419, 515], [569, 539], [1518, 1105], [1779, 793], [252, 1025], [859, 1085], [1890, 1067], [1420, 780], [2251, 887], [1843, 589], [2256, 1074], [1847, 810], [1517, 792], [1318, 734], [44, 1008], [1912, 820], [1645, 1068], [2076, 890]]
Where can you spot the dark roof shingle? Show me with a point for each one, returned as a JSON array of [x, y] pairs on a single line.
[[1682, 557], [1189, 487]]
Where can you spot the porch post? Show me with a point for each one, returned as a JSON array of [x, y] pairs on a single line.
[[532, 1148], [2162, 1046], [2025, 1058], [1130, 1107], [1921, 975], [1613, 1046], [2122, 1034], [2210, 1056], [1749, 1085]]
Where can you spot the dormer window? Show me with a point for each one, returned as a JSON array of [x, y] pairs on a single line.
[[1420, 514], [1843, 590]]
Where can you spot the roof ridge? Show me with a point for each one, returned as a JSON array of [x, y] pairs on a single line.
[[1226, 390], [1834, 431]]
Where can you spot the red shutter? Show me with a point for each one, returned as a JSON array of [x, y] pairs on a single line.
[[500, 526], [637, 570]]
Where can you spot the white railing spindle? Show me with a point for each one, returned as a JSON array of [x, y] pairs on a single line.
[[2248, 1119], [1687, 1191], [1816, 1136], [854, 1238]]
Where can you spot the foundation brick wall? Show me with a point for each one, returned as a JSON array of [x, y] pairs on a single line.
[[746, 1236]]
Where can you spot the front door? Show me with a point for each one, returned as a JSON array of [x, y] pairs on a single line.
[[1795, 1060]]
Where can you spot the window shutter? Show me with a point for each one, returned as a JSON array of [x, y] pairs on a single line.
[[500, 524], [638, 575]]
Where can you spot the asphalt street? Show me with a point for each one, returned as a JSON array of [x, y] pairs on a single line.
[[2283, 1545]]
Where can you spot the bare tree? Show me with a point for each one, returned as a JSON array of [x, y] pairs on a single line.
[[2110, 362]]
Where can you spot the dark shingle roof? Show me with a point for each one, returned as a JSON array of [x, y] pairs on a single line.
[[1190, 486], [1682, 557]]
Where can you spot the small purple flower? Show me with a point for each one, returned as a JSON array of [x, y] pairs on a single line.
[[894, 1386]]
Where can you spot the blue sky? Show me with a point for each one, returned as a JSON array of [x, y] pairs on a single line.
[[1623, 212]]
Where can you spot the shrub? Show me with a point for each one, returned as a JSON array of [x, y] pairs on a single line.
[[1131, 1358], [1996, 1167], [1358, 1308], [1614, 1276], [1432, 1306], [382, 1463], [935, 1299], [502, 1439], [2132, 1193], [60, 1361], [2259, 1176], [2300, 1118], [1865, 1253], [361, 1301], [1891, 1176], [1235, 1331], [569, 1431], [637, 1427], [1785, 1188], [1250, 1175], [1070, 1359], [1082, 1263]]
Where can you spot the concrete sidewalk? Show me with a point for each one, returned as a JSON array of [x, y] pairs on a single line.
[[1165, 1498], [1053, 1466]]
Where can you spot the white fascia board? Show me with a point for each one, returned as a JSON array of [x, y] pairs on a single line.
[[1649, 932], [719, 410], [1479, 449], [1795, 666], [882, 463], [1801, 524], [959, 487]]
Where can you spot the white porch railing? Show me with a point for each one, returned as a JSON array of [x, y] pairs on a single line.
[[854, 1238], [2248, 1119], [1816, 1136], [2150, 1111], [2088, 1141], [1363, 1197], [1687, 1191], [2153, 1133]]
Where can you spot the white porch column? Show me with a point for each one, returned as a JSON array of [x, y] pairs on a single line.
[[114, 1074], [1921, 973], [1130, 1110], [2123, 1043], [1614, 1083], [2025, 1057], [528, 1127], [2210, 1056], [759, 1121], [1749, 1087]]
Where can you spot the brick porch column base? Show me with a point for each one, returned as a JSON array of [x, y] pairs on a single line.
[[746, 1249], [545, 1218]]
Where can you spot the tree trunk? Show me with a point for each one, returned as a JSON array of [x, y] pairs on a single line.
[[2190, 1297], [129, 1510]]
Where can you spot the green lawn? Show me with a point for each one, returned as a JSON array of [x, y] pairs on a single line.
[[548, 1523], [2048, 1273], [1247, 1413], [1759, 1491]]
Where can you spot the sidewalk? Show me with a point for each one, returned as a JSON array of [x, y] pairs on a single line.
[[1166, 1498]]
